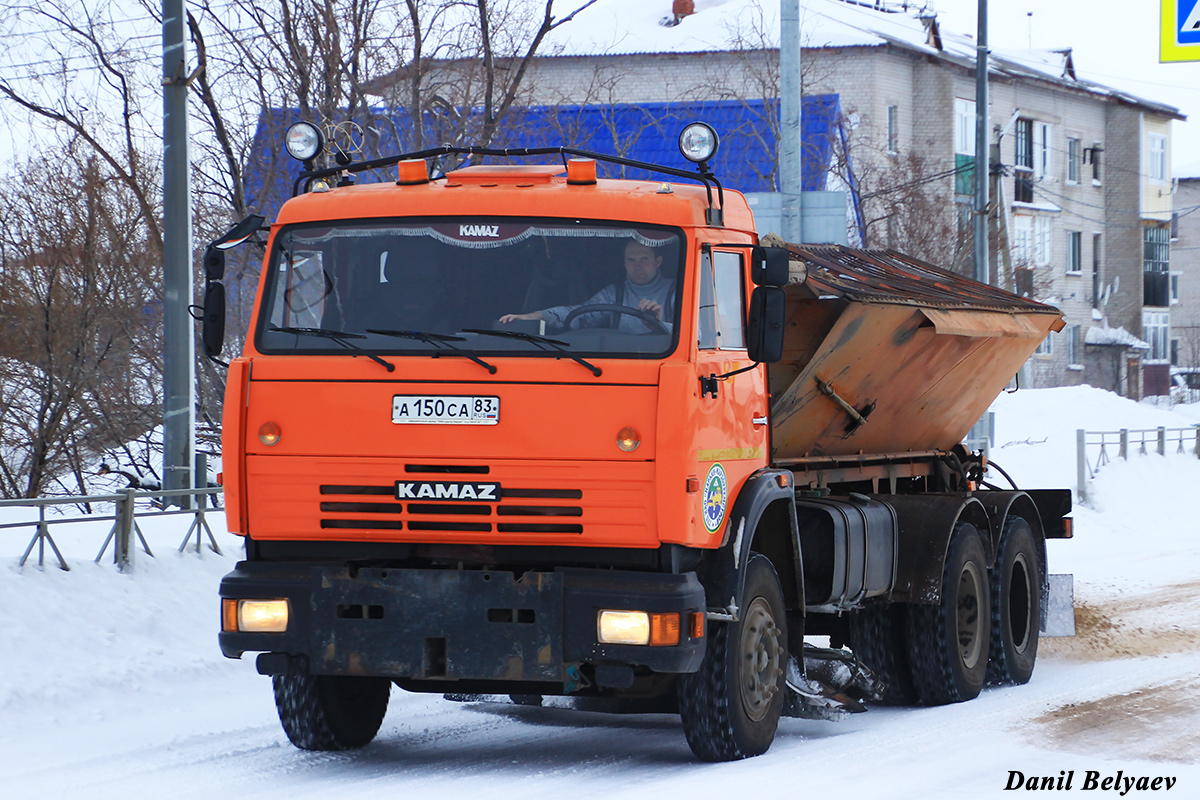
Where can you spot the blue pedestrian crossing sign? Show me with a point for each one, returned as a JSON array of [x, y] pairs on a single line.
[[1180, 31]]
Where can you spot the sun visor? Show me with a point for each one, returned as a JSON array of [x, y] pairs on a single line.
[[989, 323]]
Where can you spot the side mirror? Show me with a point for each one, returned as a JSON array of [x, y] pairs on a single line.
[[212, 321], [769, 266], [768, 315]]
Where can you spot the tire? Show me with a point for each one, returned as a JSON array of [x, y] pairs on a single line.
[[1016, 605], [878, 636], [948, 643], [731, 706], [330, 712]]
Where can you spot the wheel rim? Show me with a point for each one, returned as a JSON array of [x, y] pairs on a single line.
[[762, 660], [1020, 603], [970, 621]]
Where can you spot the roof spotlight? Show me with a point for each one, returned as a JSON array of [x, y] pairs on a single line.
[[304, 141], [698, 142]]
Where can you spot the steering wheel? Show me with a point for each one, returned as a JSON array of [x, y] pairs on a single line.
[[653, 324]]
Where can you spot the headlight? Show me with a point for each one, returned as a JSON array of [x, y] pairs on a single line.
[[638, 627], [254, 616], [624, 627], [303, 141], [698, 142]]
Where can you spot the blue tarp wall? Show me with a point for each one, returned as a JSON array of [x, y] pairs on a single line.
[[643, 132]]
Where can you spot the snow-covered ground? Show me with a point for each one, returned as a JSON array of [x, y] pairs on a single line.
[[111, 685]]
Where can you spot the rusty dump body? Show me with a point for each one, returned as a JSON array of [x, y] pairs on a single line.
[[914, 353]]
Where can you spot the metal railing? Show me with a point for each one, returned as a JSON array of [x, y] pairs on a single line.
[[124, 518], [1107, 445]]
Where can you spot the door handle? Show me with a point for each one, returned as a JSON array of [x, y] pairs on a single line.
[[759, 420]]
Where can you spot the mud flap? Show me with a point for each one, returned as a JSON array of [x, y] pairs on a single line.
[[1058, 612]]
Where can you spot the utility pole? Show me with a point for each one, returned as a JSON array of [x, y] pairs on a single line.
[[179, 356], [791, 167], [982, 148]]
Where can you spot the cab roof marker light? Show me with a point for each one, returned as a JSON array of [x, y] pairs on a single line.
[[412, 172], [581, 172]]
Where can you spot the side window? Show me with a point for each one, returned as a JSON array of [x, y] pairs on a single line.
[[706, 338], [722, 302], [731, 305]]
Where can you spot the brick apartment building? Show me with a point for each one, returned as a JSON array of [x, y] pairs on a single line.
[[1086, 198]]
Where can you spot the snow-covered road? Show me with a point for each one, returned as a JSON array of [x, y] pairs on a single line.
[[112, 686]]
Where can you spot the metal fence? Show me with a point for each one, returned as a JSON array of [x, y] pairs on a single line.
[[1094, 449], [124, 519]]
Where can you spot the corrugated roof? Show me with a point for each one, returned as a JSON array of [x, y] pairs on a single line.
[[887, 276]]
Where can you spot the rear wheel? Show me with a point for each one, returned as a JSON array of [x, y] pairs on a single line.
[[877, 636], [330, 712], [731, 706], [1016, 583], [948, 642]]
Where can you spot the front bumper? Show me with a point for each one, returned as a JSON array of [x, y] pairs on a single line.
[[459, 625]]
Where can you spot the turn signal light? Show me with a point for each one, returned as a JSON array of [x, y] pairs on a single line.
[[628, 439], [696, 624], [269, 434], [664, 629]]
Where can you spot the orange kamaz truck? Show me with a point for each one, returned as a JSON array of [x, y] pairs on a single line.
[[519, 430]]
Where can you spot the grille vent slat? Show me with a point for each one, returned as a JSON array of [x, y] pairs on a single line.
[[381, 490], [367, 524], [443, 509], [539, 511]]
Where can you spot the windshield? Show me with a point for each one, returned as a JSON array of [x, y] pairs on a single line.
[[498, 286]]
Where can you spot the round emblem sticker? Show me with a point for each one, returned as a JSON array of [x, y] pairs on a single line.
[[716, 491]]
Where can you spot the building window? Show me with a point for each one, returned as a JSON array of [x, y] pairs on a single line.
[[1046, 348], [893, 129], [1073, 160], [1074, 252], [1156, 329], [1043, 241], [1158, 157], [1096, 270], [964, 146], [1022, 240], [1157, 250], [1175, 352], [1092, 155], [1023, 162], [1074, 356], [1043, 140], [1175, 287]]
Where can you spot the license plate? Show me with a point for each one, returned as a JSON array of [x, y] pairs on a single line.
[[433, 409]]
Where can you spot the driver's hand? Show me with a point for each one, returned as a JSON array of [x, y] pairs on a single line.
[[649, 305]]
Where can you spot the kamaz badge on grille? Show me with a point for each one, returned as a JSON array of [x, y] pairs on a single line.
[[437, 490]]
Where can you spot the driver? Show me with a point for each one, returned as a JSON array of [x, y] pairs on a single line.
[[644, 288]]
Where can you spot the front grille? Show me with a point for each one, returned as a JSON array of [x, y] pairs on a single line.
[[433, 515]]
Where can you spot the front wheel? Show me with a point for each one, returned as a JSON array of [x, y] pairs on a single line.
[[330, 712], [731, 706]]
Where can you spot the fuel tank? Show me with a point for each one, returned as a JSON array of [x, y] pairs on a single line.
[[887, 354]]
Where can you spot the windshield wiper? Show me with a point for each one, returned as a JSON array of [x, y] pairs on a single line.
[[540, 341], [341, 337], [436, 339]]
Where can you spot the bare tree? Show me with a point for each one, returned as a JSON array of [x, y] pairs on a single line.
[[79, 287]]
